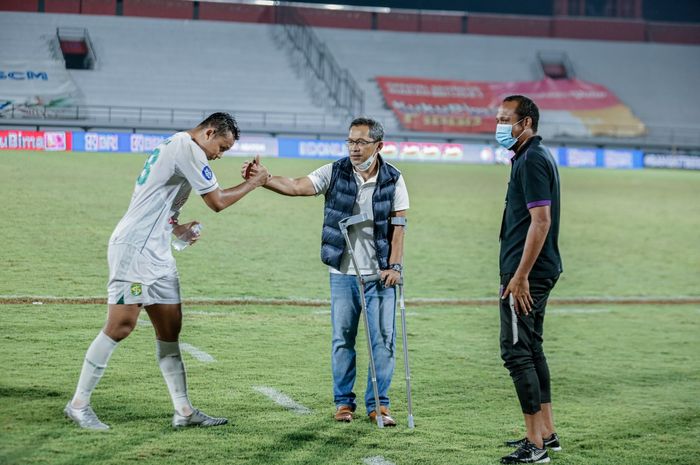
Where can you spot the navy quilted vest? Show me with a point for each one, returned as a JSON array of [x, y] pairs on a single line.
[[340, 200]]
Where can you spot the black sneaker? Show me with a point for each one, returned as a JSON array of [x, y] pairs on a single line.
[[527, 453], [551, 442]]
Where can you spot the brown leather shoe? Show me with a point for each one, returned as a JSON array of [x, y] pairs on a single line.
[[343, 413], [386, 419]]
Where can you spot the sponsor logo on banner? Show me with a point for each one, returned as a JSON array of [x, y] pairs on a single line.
[[24, 75], [101, 142], [453, 152], [428, 151], [599, 158], [672, 160], [31, 87], [581, 158], [390, 151], [146, 142], [322, 148], [311, 148], [434, 105], [251, 146], [35, 140], [484, 154], [55, 140], [22, 140], [409, 151], [618, 159]]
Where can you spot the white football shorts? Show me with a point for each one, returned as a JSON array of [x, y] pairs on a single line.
[[133, 280]]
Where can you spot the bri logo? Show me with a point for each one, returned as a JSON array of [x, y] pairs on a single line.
[[206, 172]]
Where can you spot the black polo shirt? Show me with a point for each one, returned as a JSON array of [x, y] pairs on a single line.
[[534, 181]]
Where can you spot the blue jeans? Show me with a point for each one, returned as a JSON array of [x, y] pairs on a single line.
[[346, 309]]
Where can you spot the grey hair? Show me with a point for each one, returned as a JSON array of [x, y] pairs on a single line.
[[376, 130]]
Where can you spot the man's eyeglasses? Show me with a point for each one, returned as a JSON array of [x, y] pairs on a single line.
[[359, 142]]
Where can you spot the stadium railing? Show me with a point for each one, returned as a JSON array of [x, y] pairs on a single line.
[[125, 117]]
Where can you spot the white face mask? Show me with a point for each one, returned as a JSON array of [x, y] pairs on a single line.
[[364, 166]]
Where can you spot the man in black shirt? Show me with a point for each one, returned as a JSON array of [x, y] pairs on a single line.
[[529, 266]]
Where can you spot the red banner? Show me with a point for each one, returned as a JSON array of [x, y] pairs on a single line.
[[35, 140], [470, 106]]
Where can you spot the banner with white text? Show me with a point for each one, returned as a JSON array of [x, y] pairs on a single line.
[[35, 87], [567, 107]]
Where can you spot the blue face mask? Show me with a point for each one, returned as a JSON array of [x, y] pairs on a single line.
[[504, 135]]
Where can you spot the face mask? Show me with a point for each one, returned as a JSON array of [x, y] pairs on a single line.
[[364, 166], [504, 135]]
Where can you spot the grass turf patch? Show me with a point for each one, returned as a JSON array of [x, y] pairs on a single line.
[[624, 382], [623, 233]]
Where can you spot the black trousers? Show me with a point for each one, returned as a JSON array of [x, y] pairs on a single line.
[[525, 358]]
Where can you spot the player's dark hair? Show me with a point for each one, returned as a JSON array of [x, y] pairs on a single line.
[[526, 107], [222, 123], [376, 130]]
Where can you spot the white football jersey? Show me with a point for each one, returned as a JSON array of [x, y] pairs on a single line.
[[171, 171]]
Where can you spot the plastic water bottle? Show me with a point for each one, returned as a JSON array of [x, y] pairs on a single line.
[[183, 240]]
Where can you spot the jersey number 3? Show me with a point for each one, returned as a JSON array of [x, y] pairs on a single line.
[[147, 167]]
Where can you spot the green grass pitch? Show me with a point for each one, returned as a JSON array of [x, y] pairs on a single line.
[[625, 377]]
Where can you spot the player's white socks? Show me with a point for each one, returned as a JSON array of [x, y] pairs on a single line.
[[94, 366], [170, 362]]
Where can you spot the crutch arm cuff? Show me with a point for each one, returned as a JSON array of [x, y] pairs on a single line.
[[398, 221]]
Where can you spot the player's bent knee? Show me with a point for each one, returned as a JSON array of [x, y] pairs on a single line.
[[119, 331]]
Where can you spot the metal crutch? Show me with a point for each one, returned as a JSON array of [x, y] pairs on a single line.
[[406, 368], [361, 280], [401, 221]]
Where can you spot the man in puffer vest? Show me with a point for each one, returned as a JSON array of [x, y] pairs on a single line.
[[360, 183]]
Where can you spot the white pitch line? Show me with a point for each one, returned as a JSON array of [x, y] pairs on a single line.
[[197, 353], [141, 322], [16, 299], [328, 312], [204, 312], [282, 399], [567, 311], [377, 460]]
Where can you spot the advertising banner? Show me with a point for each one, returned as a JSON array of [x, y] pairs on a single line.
[[572, 107], [123, 142], [599, 158], [312, 148], [21, 140], [403, 151], [672, 160], [58, 141], [251, 146], [35, 140], [439, 152], [101, 141], [29, 87]]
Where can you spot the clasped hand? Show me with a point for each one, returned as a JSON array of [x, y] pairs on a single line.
[[255, 172]]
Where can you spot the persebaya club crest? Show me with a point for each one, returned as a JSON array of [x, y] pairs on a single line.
[[136, 289]]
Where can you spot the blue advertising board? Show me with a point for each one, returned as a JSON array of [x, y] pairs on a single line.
[[599, 158], [312, 148], [121, 142]]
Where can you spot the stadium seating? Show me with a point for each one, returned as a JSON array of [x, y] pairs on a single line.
[[143, 62], [204, 65], [655, 80]]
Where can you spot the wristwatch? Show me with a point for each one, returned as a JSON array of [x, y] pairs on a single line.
[[396, 267]]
